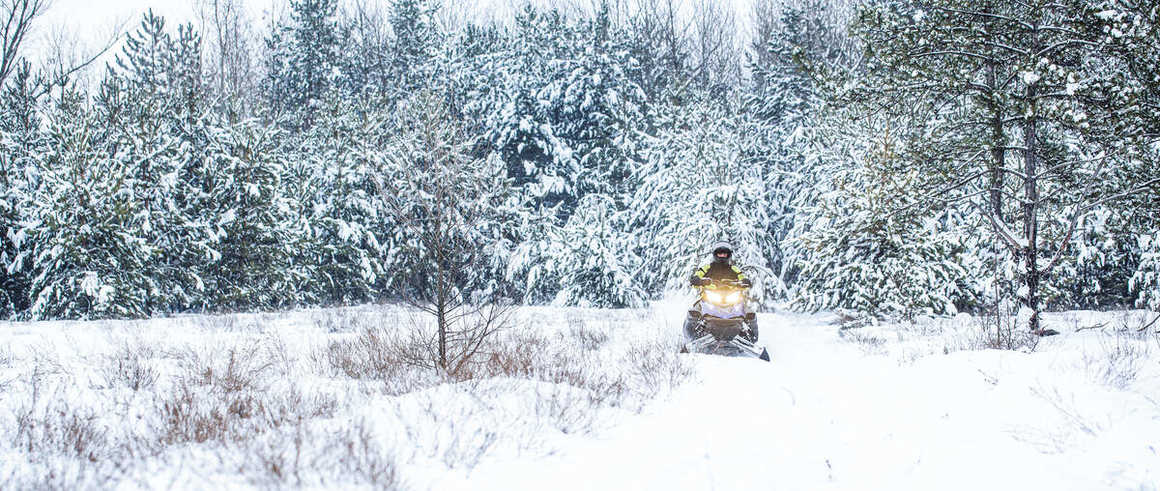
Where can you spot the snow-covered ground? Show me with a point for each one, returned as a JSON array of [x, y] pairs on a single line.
[[578, 399]]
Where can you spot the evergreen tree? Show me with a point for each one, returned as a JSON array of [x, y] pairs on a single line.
[[593, 258], [869, 244], [304, 57], [155, 107], [21, 144], [806, 58], [1026, 80], [1145, 281], [346, 215], [86, 226], [415, 41], [255, 228], [696, 188]]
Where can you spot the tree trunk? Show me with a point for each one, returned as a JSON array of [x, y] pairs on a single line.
[[998, 142], [1031, 194], [441, 302]]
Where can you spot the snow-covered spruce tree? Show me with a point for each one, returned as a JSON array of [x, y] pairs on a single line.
[[449, 213], [1132, 31], [697, 187], [1028, 78], [21, 143], [869, 244], [86, 227], [303, 58]]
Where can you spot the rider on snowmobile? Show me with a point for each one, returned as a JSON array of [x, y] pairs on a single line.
[[721, 268]]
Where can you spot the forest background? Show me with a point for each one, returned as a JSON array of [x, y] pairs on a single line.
[[888, 158]]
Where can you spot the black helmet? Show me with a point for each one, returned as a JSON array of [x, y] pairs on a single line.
[[722, 247]]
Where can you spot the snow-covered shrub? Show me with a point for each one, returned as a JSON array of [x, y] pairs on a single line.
[[392, 356], [588, 338], [130, 367], [1119, 360], [61, 429], [300, 456]]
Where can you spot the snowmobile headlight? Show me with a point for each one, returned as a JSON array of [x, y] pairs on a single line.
[[713, 296], [733, 298]]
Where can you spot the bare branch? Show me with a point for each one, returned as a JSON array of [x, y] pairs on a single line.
[[17, 17]]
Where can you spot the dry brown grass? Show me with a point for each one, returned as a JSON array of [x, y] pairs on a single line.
[[246, 394], [129, 367], [235, 394]]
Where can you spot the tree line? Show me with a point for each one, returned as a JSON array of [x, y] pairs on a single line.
[[888, 157]]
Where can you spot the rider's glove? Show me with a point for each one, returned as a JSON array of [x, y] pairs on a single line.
[[747, 283], [703, 281]]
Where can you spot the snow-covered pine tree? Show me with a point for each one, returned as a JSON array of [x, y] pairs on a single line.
[[414, 43], [596, 106], [448, 209], [593, 258], [21, 143], [513, 121], [562, 107], [86, 226], [559, 103], [808, 52], [302, 61], [345, 211], [1029, 78], [698, 187], [366, 53], [871, 245], [156, 108], [255, 227], [1145, 281]]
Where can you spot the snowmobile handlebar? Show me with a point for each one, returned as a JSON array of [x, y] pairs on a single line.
[[737, 284]]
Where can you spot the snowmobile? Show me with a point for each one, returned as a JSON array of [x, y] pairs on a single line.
[[721, 322]]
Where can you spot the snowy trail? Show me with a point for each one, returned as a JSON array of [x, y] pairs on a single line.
[[823, 415]]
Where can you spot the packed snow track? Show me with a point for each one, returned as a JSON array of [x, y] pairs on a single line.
[[826, 415]]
